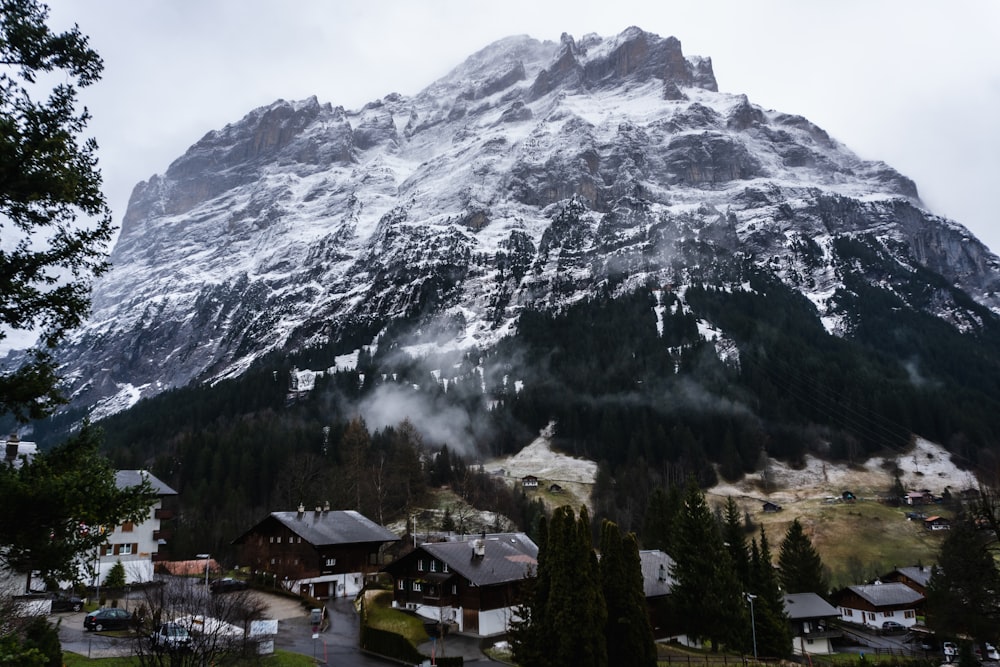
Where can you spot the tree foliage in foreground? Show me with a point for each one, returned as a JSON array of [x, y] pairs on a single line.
[[628, 633], [963, 595], [48, 179], [706, 596], [563, 619], [52, 508]]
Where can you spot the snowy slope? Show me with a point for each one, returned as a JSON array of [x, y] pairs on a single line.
[[527, 176]]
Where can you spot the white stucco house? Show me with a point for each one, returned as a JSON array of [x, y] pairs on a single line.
[[136, 545]]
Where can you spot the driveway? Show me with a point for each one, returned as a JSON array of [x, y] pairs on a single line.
[[337, 644]]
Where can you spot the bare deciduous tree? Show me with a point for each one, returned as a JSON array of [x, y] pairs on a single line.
[[219, 624]]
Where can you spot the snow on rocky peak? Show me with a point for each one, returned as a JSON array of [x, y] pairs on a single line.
[[529, 175]]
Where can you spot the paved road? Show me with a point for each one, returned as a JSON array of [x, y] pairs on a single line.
[[338, 644]]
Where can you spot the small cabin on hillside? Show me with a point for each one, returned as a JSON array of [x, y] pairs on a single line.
[[937, 523], [770, 507], [529, 482]]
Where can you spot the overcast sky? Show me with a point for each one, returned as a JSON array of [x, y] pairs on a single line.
[[915, 83]]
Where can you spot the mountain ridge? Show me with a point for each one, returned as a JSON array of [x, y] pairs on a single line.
[[531, 175]]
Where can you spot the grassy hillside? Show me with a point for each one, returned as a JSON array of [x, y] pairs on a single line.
[[857, 541]]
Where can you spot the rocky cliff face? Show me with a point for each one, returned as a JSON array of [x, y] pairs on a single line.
[[531, 175]]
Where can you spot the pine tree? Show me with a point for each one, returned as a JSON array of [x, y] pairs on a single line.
[[801, 568], [116, 576], [526, 630], [48, 179], [628, 633], [732, 537], [774, 635], [51, 506], [963, 595], [706, 595], [563, 619], [661, 512]]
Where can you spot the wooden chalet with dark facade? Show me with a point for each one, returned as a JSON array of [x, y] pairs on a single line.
[[471, 584], [916, 577], [321, 553]]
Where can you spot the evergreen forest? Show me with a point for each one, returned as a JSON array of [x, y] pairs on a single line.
[[632, 380]]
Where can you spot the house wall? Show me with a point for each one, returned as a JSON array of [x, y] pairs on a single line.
[[482, 610], [803, 644], [325, 571], [875, 617], [135, 545]]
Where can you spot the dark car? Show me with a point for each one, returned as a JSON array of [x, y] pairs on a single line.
[[170, 637], [228, 584], [62, 602], [892, 628], [109, 618]]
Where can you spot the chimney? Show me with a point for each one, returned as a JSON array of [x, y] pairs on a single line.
[[326, 506], [302, 509], [478, 548], [11, 451]]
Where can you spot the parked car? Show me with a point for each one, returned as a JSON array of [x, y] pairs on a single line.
[[170, 637], [950, 651], [62, 602], [992, 654], [892, 628], [108, 618], [228, 584]]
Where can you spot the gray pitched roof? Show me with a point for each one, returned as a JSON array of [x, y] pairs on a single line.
[[506, 557], [884, 595], [126, 478], [916, 573], [656, 566], [808, 605], [334, 527]]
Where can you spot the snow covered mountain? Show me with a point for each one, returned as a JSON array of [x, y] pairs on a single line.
[[532, 175]]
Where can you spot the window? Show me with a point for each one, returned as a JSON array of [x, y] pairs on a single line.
[[444, 567], [434, 566], [127, 527], [871, 616], [278, 539], [454, 589], [846, 612], [909, 613], [887, 614], [272, 539], [125, 549], [420, 565], [330, 562], [417, 586], [401, 584]]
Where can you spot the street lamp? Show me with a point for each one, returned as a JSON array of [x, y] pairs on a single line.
[[753, 623], [207, 561]]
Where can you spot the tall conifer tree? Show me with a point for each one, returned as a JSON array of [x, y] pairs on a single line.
[[963, 595], [706, 594], [628, 633], [732, 537], [774, 637], [801, 568], [563, 621]]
